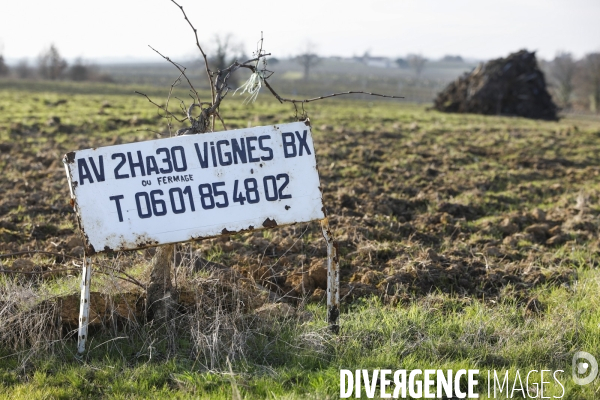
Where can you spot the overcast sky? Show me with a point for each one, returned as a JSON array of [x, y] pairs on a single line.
[[121, 29]]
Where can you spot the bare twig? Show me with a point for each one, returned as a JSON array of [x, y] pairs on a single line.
[[253, 68], [10, 271], [222, 122], [181, 105], [283, 99], [130, 278], [175, 83], [159, 106], [182, 70], [208, 73], [127, 278], [19, 253], [219, 89], [110, 340], [153, 131]]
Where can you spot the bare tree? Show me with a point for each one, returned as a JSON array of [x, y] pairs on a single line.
[[591, 77], [563, 70], [401, 62], [160, 296], [308, 59], [80, 70], [23, 69], [4, 70], [226, 52], [50, 63], [453, 59], [365, 57], [417, 63]]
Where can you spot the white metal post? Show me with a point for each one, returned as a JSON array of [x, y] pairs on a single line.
[[333, 278], [84, 308]]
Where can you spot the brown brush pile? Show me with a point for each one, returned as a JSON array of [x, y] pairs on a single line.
[[513, 86]]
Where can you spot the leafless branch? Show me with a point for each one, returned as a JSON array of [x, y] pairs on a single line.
[[181, 105], [182, 70], [208, 73], [160, 134], [218, 85], [253, 68], [175, 83], [222, 122], [10, 271], [127, 277], [18, 253], [159, 106], [283, 99]]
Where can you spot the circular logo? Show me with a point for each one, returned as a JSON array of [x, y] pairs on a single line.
[[585, 368]]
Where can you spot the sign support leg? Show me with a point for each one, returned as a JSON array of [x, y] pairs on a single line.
[[84, 308], [333, 278]]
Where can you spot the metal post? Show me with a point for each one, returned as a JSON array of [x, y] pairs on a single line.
[[333, 278], [84, 308]]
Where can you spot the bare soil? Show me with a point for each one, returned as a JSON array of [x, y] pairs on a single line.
[[419, 201]]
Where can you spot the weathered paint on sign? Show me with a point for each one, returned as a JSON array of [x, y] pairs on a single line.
[[189, 187]]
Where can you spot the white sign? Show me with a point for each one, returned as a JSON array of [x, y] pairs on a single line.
[[189, 187]]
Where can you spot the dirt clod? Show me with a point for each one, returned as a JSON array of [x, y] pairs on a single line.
[[23, 265], [300, 283], [73, 241], [492, 251], [432, 255], [557, 240], [275, 311], [534, 307], [318, 295], [538, 229], [508, 227], [539, 215], [318, 273], [78, 251]]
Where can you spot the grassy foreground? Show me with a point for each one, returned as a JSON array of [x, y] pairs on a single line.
[[467, 242], [296, 358]]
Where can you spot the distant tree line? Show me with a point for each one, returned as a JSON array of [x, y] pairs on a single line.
[[417, 62], [52, 66], [3, 67], [575, 83]]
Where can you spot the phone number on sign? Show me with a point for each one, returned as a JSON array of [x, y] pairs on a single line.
[[154, 202]]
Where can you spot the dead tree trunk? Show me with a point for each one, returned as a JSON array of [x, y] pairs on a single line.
[[161, 298]]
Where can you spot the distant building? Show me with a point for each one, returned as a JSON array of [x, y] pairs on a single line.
[[371, 61], [450, 58], [381, 62]]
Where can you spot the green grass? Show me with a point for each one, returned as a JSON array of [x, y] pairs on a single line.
[[295, 359]]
